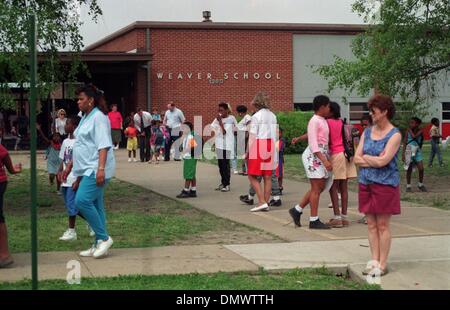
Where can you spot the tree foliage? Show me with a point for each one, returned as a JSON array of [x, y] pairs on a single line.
[[405, 52], [58, 28]]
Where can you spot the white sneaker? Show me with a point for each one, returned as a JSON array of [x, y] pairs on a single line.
[[90, 252], [263, 207], [129, 160], [135, 160], [116, 147], [91, 232], [69, 235], [226, 188], [236, 172], [102, 248]]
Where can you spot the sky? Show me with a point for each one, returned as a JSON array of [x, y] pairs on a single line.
[[120, 13]]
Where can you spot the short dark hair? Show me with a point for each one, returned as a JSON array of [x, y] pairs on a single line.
[[366, 117], [75, 120], [320, 101], [335, 110], [140, 109], [91, 91], [435, 121], [223, 105], [417, 120], [383, 103], [241, 109], [189, 124]]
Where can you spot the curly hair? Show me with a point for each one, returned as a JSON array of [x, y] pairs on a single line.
[[92, 91], [261, 101]]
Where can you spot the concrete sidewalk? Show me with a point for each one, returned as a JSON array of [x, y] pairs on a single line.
[[415, 263]]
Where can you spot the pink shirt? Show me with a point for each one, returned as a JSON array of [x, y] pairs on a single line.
[[115, 118], [318, 133], [336, 144]]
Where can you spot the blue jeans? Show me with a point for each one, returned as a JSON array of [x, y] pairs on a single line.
[[69, 200], [89, 201], [435, 151]]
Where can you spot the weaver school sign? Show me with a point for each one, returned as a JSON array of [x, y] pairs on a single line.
[[224, 76]]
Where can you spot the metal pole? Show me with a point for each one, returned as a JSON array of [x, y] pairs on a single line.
[[33, 73]]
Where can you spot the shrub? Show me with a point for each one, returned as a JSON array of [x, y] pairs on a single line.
[[293, 124]]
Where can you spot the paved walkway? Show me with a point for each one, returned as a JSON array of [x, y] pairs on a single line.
[[420, 256]]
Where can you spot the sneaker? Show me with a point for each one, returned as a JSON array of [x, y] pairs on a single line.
[[219, 188], [330, 205], [129, 160], [363, 220], [263, 207], [58, 193], [245, 199], [409, 190], [102, 248], [441, 165], [422, 188], [335, 223], [235, 172], [225, 188], [116, 147], [275, 203], [317, 224], [91, 231], [90, 251], [183, 194], [295, 216], [69, 235], [192, 193], [6, 262]]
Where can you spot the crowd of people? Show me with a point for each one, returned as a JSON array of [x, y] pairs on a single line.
[[81, 161]]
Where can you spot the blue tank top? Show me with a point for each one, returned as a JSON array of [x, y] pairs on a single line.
[[417, 141], [387, 175]]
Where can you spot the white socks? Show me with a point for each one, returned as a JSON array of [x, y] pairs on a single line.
[[313, 218], [297, 207], [408, 185], [186, 189], [276, 198], [337, 217], [193, 188], [419, 184]]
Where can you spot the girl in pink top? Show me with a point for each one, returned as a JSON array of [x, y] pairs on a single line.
[[316, 163], [343, 169]]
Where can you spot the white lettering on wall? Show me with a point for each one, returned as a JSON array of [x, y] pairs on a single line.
[[208, 76], [235, 76], [170, 76], [189, 75], [268, 76], [246, 76], [199, 76], [160, 75], [256, 76], [225, 76], [278, 76]]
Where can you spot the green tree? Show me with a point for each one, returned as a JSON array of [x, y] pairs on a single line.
[[404, 53], [58, 29]]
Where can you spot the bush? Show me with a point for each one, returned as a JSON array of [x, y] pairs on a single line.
[[294, 124]]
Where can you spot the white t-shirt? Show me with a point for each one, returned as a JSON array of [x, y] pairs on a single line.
[[244, 123], [174, 119], [60, 124], [264, 125], [225, 142], [66, 156]]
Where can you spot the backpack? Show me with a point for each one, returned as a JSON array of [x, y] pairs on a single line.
[[159, 136], [349, 134]]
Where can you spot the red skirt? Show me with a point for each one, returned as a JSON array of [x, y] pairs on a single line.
[[379, 199], [261, 157]]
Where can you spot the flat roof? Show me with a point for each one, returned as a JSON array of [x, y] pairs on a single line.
[[293, 27], [88, 56]]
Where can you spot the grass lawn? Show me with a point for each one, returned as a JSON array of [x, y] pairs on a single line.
[[136, 218], [297, 279]]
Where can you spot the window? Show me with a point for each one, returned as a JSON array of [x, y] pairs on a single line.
[[357, 110], [303, 107], [446, 111]]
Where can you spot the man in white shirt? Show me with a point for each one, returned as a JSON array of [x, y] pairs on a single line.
[[173, 119], [223, 127], [143, 122]]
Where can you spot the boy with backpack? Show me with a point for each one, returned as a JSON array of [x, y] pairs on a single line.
[[157, 140], [412, 153], [341, 146]]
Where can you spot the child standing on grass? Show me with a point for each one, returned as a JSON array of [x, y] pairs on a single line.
[[191, 142], [69, 183], [132, 142], [316, 162], [280, 168], [435, 139], [52, 155], [242, 137], [412, 153], [157, 140]]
